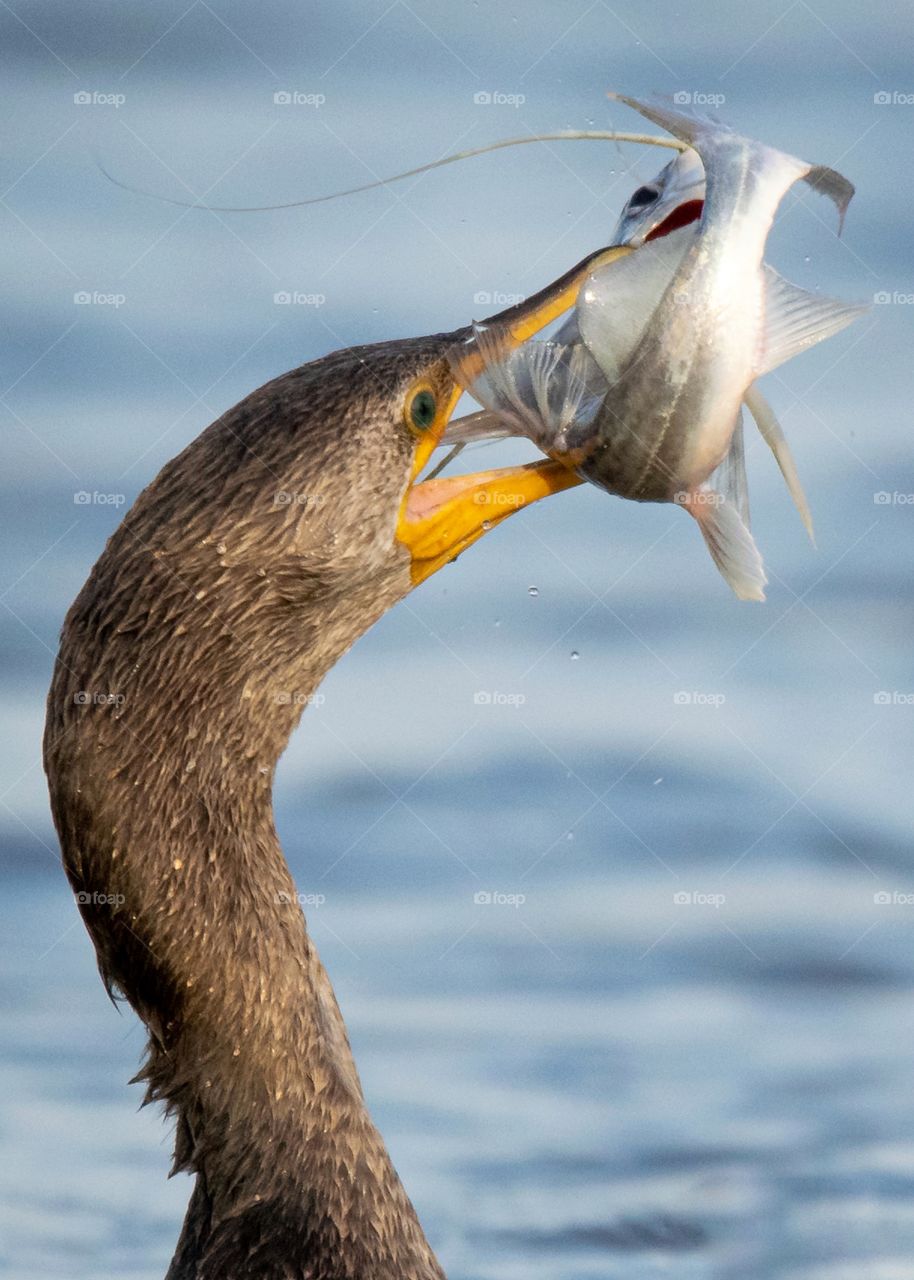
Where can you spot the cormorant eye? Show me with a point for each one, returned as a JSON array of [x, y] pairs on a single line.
[[643, 197], [421, 409]]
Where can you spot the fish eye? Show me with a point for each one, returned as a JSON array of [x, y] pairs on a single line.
[[643, 197], [421, 409]]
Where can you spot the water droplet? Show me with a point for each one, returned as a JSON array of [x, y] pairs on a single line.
[[497, 623], [220, 548], [657, 781], [570, 836], [574, 655], [533, 591], [486, 525], [807, 258]]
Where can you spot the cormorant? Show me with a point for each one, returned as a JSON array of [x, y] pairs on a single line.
[[250, 564]]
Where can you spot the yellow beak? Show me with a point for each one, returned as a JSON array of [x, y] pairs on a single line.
[[440, 518]]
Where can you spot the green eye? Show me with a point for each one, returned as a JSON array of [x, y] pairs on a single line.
[[422, 409]]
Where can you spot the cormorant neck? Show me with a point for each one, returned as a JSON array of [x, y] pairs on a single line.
[[162, 798]]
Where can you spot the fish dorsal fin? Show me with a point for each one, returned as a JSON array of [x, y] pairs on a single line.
[[796, 319], [729, 541], [773, 435], [729, 477]]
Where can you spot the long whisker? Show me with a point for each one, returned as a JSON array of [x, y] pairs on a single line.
[[562, 135], [448, 457]]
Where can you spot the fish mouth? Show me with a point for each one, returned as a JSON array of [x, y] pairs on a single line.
[[684, 214], [440, 517]]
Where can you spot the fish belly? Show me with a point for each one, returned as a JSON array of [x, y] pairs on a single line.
[[660, 432]]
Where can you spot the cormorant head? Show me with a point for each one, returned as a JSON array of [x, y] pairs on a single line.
[[280, 534], [314, 481]]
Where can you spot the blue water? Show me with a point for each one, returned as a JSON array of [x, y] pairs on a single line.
[[592, 1079]]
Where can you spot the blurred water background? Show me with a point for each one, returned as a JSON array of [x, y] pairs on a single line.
[[678, 1039]]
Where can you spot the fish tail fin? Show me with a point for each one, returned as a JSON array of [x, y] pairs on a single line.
[[796, 319], [730, 543]]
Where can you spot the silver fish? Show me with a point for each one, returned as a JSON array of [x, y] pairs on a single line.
[[675, 199], [642, 391]]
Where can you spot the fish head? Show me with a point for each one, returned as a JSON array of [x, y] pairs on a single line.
[[671, 200], [746, 178]]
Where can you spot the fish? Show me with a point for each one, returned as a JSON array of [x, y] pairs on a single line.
[[674, 199], [641, 390]]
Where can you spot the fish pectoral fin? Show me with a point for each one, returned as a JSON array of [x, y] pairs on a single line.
[[537, 390], [502, 387], [565, 383], [729, 477], [730, 543], [796, 319], [773, 435]]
